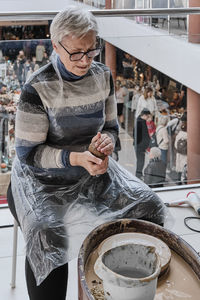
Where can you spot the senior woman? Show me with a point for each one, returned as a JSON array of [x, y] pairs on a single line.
[[59, 190]]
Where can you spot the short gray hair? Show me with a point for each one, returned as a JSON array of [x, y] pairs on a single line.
[[74, 21], [155, 152]]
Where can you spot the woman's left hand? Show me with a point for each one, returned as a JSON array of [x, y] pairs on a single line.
[[103, 143]]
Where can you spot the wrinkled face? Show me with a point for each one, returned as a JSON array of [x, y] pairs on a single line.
[[73, 45]]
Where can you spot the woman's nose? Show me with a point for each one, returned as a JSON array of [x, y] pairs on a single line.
[[85, 58]]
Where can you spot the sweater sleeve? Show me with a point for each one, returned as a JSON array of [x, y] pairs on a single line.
[[32, 126]]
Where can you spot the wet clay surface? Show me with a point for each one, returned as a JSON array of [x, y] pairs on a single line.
[[179, 283]]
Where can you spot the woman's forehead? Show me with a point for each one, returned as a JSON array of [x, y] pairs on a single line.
[[77, 42]]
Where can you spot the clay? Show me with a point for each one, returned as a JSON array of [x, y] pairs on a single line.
[[94, 151]]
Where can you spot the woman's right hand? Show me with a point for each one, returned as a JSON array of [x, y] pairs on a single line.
[[94, 165]]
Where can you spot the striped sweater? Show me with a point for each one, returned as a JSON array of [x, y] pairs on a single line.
[[56, 116]]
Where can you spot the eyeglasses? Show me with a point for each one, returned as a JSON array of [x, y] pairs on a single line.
[[79, 55]]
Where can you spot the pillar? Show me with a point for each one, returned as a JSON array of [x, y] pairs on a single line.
[[194, 24], [110, 50], [193, 150], [193, 108], [110, 58], [108, 4]]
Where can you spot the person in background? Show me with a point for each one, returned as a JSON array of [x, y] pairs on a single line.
[[162, 137], [148, 74], [141, 140], [182, 98], [155, 172], [148, 101], [136, 95], [181, 150], [127, 64], [151, 130], [45, 59], [163, 93], [173, 127], [175, 102], [121, 92], [27, 69], [39, 52], [137, 92], [34, 64], [3, 88], [18, 67]]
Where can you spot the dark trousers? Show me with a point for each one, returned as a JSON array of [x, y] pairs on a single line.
[[54, 287], [140, 154]]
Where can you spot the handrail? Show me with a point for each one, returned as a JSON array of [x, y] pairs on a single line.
[[49, 15], [145, 12]]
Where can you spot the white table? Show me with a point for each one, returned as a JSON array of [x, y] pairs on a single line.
[[175, 219]]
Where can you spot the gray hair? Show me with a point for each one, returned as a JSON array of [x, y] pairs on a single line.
[[163, 120], [73, 21], [155, 152]]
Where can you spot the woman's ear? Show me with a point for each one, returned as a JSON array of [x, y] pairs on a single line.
[[55, 47]]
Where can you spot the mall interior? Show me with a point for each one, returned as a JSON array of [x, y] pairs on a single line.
[[152, 49]]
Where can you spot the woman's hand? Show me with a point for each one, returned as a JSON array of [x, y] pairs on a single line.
[[103, 143], [94, 165]]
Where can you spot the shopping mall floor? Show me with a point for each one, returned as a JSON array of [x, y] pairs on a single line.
[[174, 222]]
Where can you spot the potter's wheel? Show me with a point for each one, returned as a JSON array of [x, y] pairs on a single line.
[[138, 238], [184, 263]]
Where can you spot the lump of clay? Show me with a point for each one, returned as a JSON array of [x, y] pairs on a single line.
[[94, 151]]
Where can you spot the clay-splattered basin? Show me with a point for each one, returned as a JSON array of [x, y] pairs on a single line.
[[183, 253], [129, 272], [139, 238]]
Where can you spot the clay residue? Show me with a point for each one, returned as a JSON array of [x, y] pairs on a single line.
[[97, 292], [179, 283]]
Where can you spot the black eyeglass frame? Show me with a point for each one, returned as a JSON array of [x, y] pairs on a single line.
[[83, 53]]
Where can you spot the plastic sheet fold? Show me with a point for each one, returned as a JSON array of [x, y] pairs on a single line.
[[55, 219]]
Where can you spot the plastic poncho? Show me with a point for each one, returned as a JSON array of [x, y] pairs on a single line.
[[56, 207]]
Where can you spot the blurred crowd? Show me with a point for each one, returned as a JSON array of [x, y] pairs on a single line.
[[13, 75], [158, 114]]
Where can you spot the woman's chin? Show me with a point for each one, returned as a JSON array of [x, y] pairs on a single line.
[[80, 71]]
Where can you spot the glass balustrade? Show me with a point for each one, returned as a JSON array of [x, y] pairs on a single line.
[[176, 24], [136, 81]]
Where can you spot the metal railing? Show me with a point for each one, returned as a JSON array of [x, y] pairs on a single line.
[[49, 15]]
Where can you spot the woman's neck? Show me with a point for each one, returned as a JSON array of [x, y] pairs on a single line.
[[65, 74]]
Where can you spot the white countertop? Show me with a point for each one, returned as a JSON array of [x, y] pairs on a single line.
[[175, 218]]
